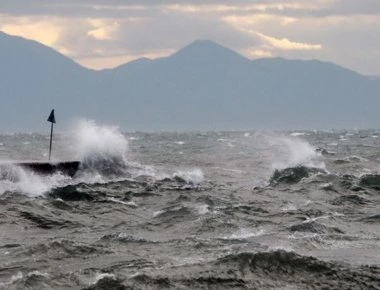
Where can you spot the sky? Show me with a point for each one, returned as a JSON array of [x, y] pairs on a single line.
[[106, 33]]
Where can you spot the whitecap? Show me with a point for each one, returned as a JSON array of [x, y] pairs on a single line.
[[193, 176], [13, 279], [289, 207], [159, 212], [27, 182], [244, 234], [129, 203], [202, 209], [289, 152], [295, 134], [102, 276], [37, 273]]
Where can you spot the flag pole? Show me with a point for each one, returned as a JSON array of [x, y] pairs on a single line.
[[51, 139], [51, 119]]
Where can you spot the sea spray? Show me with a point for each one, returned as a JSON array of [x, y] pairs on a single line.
[[17, 179], [91, 138], [290, 151], [193, 176], [101, 149], [102, 152]]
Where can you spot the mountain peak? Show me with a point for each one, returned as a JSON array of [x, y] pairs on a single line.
[[204, 43], [207, 49]]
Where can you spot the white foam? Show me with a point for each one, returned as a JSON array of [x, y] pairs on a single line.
[[13, 279], [301, 235], [193, 176], [136, 169], [245, 234], [292, 151], [343, 137], [29, 183], [97, 147], [326, 185], [129, 203], [102, 276], [229, 169], [295, 134], [100, 140], [37, 273], [202, 209], [307, 202], [159, 212], [289, 207], [281, 246]]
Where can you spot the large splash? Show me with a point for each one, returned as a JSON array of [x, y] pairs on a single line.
[[92, 139], [103, 155], [102, 150], [17, 179], [291, 151], [192, 176]]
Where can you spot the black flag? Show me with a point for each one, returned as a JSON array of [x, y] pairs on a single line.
[[51, 117]]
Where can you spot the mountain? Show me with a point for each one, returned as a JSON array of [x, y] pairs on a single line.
[[203, 86], [33, 79]]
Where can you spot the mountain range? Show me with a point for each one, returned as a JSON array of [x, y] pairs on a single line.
[[203, 86]]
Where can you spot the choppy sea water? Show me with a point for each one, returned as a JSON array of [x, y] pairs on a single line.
[[217, 210]]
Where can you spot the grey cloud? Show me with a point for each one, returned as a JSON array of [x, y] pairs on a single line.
[[339, 8], [352, 44], [160, 31], [107, 8], [72, 9], [110, 8]]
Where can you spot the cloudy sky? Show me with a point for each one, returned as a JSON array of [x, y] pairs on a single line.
[[106, 33]]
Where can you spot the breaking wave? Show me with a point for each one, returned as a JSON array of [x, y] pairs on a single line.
[[293, 175], [17, 179], [194, 176], [102, 152], [291, 151], [101, 149]]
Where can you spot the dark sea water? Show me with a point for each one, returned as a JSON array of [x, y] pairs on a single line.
[[218, 210]]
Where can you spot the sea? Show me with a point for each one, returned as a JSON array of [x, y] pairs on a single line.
[[194, 210]]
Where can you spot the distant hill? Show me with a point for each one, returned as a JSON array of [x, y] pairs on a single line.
[[33, 79], [203, 86]]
